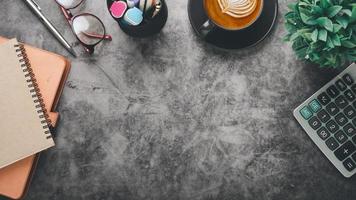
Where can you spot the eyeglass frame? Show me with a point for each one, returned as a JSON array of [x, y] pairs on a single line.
[[89, 48]]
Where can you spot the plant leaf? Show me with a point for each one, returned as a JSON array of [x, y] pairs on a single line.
[[314, 35], [351, 57], [292, 6], [346, 11], [322, 35], [301, 3], [329, 43], [348, 44], [289, 15], [294, 36], [342, 20], [333, 10], [324, 4], [301, 53], [326, 23], [353, 15], [336, 40], [317, 10], [306, 16], [349, 34], [336, 28], [286, 38], [290, 28]]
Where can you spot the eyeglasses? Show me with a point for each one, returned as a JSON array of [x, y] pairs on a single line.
[[88, 28]]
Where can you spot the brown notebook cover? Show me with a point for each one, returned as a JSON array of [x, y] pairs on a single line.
[[51, 71]]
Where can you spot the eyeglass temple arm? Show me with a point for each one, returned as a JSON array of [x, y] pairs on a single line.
[[67, 14], [99, 36]]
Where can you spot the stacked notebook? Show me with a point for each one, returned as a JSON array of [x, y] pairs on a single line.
[[32, 81]]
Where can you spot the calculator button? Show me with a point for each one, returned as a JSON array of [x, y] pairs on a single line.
[[349, 95], [354, 121], [345, 150], [349, 129], [315, 106], [348, 79], [350, 112], [354, 104], [333, 91], [332, 126], [332, 144], [341, 102], [305, 112], [323, 133], [341, 119], [349, 164], [314, 123], [353, 88], [340, 85], [332, 108], [354, 139], [323, 116], [323, 98], [354, 157], [340, 137]]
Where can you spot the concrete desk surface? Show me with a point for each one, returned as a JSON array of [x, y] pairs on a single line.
[[171, 118]]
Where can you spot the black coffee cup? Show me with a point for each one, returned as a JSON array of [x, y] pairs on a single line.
[[233, 40], [148, 27]]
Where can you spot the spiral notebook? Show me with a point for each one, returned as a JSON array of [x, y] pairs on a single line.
[[24, 120], [51, 71]]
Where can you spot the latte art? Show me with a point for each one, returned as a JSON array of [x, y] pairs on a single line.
[[237, 8]]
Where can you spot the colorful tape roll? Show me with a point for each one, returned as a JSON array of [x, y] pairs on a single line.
[[118, 9], [133, 16]]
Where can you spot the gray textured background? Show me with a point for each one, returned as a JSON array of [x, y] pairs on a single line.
[[169, 117]]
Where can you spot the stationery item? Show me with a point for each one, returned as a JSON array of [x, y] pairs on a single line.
[[51, 72], [329, 119], [211, 23], [87, 28], [157, 8], [146, 5], [14, 178], [150, 8], [24, 126], [37, 10], [132, 3], [118, 8], [133, 16]]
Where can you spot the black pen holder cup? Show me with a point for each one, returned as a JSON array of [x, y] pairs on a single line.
[[147, 27]]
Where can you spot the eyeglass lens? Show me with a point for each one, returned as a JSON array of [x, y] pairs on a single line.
[[88, 29], [68, 4]]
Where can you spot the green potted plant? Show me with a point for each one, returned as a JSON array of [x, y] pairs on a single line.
[[323, 31]]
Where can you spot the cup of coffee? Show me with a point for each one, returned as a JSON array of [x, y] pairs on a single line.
[[230, 15]]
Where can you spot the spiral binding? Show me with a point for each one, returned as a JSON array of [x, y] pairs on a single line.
[[34, 89]]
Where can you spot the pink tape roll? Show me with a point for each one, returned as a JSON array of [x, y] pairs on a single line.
[[118, 9]]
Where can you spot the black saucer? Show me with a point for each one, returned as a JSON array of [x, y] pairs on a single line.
[[247, 37]]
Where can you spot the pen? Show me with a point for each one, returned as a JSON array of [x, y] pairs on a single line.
[[37, 10]]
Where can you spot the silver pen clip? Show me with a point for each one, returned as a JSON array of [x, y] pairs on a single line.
[[39, 8]]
